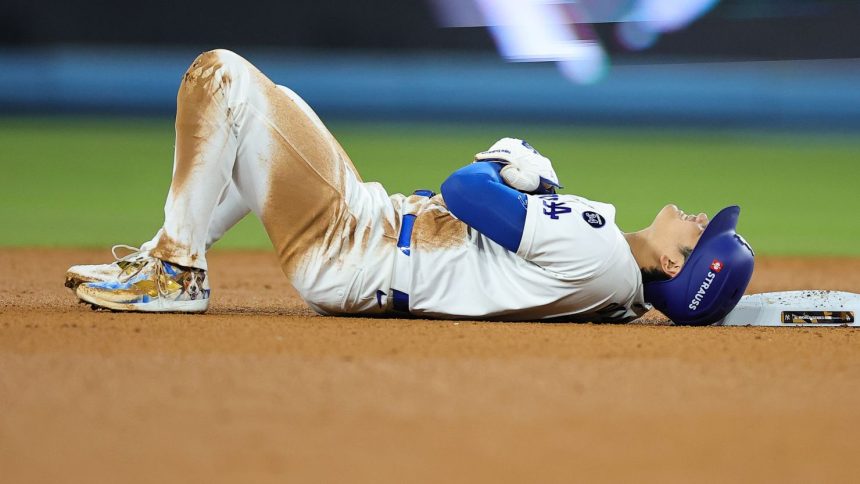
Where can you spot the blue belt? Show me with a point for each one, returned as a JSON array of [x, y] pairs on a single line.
[[400, 300]]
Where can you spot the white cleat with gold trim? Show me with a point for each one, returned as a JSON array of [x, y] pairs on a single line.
[[154, 286], [79, 274]]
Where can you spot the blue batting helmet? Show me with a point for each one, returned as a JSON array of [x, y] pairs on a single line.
[[713, 278]]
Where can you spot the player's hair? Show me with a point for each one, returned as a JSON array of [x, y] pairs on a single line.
[[656, 274]]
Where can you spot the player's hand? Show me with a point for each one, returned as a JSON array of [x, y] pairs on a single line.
[[526, 170]]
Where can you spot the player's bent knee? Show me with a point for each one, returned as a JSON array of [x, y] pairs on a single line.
[[215, 71], [217, 58], [227, 56], [230, 60]]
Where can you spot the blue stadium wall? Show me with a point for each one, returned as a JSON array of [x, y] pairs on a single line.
[[813, 94]]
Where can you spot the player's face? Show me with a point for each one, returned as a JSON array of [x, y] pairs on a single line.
[[679, 225], [674, 230]]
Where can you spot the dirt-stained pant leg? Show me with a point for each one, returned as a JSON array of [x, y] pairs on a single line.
[[237, 130]]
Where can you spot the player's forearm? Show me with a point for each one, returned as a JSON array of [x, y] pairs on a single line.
[[477, 195]]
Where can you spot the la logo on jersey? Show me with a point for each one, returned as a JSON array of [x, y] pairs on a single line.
[[716, 266], [553, 207], [594, 219]]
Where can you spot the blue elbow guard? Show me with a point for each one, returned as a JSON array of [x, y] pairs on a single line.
[[477, 195]]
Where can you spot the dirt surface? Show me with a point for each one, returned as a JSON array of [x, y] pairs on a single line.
[[260, 389]]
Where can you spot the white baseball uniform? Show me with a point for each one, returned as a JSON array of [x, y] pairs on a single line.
[[564, 268], [244, 143]]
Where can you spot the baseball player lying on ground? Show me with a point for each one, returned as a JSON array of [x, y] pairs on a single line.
[[497, 244]]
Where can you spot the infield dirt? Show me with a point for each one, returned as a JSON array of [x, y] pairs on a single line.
[[260, 389]]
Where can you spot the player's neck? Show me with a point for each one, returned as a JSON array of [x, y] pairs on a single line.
[[643, 248]]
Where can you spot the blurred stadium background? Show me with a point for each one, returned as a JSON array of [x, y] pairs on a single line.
[[638, 102]]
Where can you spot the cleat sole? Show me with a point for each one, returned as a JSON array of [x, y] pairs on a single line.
[[156, 306]]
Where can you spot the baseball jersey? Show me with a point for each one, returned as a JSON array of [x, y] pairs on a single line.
[[573, 263]]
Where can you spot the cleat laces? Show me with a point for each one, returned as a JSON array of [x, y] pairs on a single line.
[[134, 257], [160, 276]]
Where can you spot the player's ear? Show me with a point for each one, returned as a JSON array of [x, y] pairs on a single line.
[[669, 266]]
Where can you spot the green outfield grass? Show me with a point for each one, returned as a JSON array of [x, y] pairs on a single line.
[[97, 182]]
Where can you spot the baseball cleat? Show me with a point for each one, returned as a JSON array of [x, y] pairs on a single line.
[[154, 286], [79, 274]]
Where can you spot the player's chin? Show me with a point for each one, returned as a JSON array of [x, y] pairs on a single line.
[[667, 213]]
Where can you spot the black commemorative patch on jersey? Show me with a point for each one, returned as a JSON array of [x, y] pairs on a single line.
[[594, 219]]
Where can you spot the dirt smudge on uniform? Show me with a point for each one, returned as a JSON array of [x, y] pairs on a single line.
[[390, 230], [201, 94], [347, 160], [365, 238], [435, 228], [167, 248], [305, 210]]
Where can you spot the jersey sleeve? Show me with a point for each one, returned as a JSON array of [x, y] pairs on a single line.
[[567, 235]]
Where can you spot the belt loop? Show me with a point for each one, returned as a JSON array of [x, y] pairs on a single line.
[[404, 240], [425, 193], [400, 301]]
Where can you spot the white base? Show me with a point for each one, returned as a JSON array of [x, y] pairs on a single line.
[[796, 308]]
